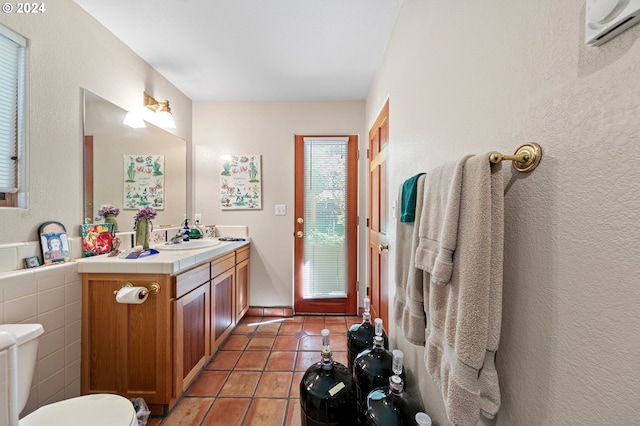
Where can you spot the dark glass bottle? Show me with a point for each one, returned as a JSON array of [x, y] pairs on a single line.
[[391, 406], [327, 392], [360, 336], [373, 367]]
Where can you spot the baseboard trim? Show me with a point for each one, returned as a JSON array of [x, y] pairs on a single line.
[[259, 311], [280, 311]]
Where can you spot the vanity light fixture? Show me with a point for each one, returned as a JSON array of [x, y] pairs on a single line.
[[162, 111], [152, 111], [134, 119]]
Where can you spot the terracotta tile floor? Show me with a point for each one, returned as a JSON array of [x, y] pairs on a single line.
[[253, 380]]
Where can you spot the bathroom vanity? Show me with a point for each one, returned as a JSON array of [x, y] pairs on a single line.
[[155, 349]]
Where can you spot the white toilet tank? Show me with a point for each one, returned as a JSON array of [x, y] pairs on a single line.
[[27, 339]]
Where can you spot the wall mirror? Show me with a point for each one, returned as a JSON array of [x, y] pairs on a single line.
[[107, 142]]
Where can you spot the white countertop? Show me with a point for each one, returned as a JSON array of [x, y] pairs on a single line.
[[166, 262]]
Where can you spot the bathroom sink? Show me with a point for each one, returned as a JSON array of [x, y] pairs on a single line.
[[189, 245]]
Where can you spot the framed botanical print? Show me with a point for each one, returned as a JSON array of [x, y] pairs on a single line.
[[143, 181], [240, 182]]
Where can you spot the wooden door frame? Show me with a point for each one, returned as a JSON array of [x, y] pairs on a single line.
[[378, 259], [331, 305]]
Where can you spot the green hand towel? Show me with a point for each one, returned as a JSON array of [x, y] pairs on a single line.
[[408, 202]]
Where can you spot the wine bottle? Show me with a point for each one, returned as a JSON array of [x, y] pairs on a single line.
[[327, 392], [373, 367], [391, 405], [360, 336]]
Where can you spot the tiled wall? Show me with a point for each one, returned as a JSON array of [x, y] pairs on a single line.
[[12, 255], [50, 296]]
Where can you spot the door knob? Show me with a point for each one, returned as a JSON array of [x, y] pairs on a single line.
[[383, 247], [300, 220], [299, 234]]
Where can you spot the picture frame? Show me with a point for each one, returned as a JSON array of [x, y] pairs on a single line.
[[143, 181], [54, 243], [97, 238], [31, 262], [241, 182]]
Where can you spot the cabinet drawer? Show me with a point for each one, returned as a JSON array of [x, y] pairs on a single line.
[[218, 266], [242, 254], [191, 279]]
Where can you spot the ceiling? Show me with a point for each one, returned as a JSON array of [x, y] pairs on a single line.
[[256, 50]]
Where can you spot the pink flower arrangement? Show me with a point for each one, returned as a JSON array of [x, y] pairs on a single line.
[[107, 209], [145, 213]]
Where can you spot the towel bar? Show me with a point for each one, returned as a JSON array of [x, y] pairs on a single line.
[[525, 159]]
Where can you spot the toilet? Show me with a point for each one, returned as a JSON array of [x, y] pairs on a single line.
[[96, 410]]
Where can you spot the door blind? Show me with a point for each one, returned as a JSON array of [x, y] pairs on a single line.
[[325, 197]]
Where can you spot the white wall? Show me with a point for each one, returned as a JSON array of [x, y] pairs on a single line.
[[71, 51], [265, 128], [472, 77]]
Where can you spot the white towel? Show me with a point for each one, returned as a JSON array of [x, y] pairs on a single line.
[[438, 225], [409, 312], [464, 316]]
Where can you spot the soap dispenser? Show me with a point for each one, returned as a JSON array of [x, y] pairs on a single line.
[[185, 231]]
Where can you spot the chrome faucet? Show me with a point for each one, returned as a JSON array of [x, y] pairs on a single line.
[[179, 237]]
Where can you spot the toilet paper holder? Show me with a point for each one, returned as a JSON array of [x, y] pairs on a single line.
[[154, 288]]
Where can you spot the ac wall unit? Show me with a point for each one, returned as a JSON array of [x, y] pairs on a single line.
[[605, 19]]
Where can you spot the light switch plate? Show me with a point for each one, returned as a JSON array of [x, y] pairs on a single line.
[[281, 209]]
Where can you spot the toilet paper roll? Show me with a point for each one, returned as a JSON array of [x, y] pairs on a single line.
[[132, 295]]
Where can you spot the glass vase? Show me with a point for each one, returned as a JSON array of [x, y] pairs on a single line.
[[111, 218], [143, 230]]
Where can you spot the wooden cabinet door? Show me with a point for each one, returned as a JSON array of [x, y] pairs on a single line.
[[222, 304], [126, 348], [242, 289], [192, 334]]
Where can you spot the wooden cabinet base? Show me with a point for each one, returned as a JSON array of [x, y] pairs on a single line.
[[155, 349], [126, 347]]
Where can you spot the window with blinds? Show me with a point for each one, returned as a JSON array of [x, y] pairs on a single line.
[[325, 197], [13, 71]]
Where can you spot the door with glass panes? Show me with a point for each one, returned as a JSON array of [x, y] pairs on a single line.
[[325, 224]]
